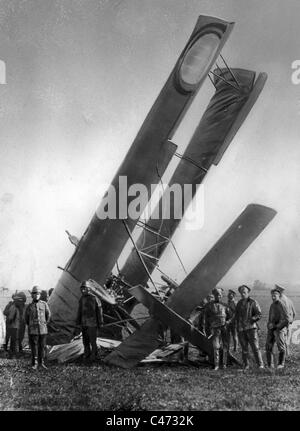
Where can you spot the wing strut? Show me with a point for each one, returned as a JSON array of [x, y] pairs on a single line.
[[140, 257]]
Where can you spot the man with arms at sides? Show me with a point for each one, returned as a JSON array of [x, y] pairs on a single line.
[[288, 304], [232, 327], [37, 315], [247, 314], [89, 319], [216, 318], [277, 330]]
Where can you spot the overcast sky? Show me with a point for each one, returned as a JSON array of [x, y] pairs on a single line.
[[82, 76]]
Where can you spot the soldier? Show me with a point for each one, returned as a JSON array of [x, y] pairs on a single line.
[[197, 320], [288, 304], [89, 319], [196, 317], [7, 327], [216, 317], [20, 300], [37, 315], [232, 327], [247, 314], [12, 314], [203, 323], [277, 330]]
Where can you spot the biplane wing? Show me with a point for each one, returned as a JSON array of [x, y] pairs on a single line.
[[147, 158], [202, 279], [220, 122]]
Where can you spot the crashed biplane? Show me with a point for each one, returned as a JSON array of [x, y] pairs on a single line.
[[97, 252]]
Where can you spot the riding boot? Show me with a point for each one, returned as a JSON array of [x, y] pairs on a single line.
[[245, 361], [258, 358], [216, 359], [225, 353], [34, 363], [281, 359], [270, 359]]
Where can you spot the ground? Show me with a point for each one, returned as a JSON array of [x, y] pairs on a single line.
[[151, 387]]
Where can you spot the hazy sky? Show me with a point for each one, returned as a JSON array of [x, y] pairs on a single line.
[[82, 76]]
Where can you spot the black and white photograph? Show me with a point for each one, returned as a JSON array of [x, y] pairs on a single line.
[[149, 208]]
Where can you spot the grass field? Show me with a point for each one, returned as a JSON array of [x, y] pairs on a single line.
[[167, 387]]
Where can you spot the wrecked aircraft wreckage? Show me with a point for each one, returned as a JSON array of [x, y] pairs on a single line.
[[97, 252]]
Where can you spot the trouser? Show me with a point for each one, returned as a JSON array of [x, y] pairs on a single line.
[[7, 337], [246, 337], [38, 346], [208, 330], [232, 332], [220, 336], [89, 339], [278, 336], [288, 339], [12, 338], [21, 337]]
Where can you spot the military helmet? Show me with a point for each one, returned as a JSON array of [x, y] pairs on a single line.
[[217, 290], [35, 289], [244, 286], [279, 288], [85, 285], [19, 296], [276, 289]]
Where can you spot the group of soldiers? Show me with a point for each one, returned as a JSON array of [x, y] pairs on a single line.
[[36, 316], [238, 321]]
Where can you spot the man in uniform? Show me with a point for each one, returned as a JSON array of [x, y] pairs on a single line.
[[216, 318], [277, 330], [7, 325], [203, 325], [89, 319], [247, 314], [196, 317], [20, 300], [232, 328], [12, 314], [37, 315], [288, 304]]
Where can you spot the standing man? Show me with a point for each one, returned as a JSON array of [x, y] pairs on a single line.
[[288, 304], [232, 327], [203, 323], [20, 300], [216, 318], [90, 318], [12, 314], [247, 314], [37, 315], [7, 326], [196, 317], [277, 330]]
